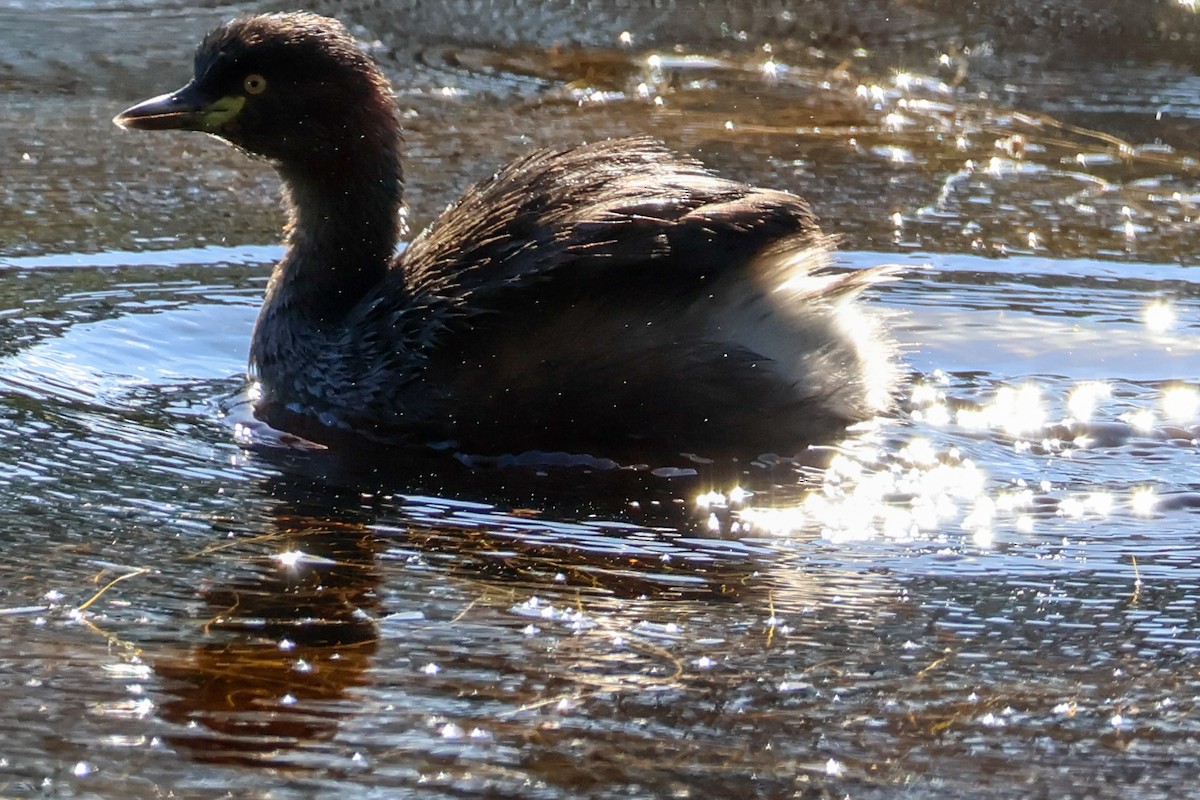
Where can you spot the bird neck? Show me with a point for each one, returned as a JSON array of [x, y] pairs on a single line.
[[343, 227]]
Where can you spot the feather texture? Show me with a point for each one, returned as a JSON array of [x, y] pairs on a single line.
[[611, 298]]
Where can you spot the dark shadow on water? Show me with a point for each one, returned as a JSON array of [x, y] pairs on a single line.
[[552, 486]]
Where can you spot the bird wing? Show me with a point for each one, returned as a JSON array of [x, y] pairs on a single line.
[[612, 209]]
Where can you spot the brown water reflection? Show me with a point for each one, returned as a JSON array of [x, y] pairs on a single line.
[[298, 642], [282, 650]]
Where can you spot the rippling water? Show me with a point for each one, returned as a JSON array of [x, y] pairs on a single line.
[[995, 587]]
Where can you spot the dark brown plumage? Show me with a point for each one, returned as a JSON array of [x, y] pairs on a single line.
[[609, 298]]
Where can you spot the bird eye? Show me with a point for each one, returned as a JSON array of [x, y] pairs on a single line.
[[255, 84]]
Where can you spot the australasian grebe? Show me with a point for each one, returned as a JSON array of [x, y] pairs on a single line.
[[609, 298]]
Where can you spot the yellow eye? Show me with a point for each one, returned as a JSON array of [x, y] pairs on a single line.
[[255, 84]]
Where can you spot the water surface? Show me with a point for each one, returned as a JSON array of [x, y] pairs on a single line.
[[994, 587]]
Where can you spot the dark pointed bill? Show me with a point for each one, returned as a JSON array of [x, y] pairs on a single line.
[[184, 109], [174, 111]]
